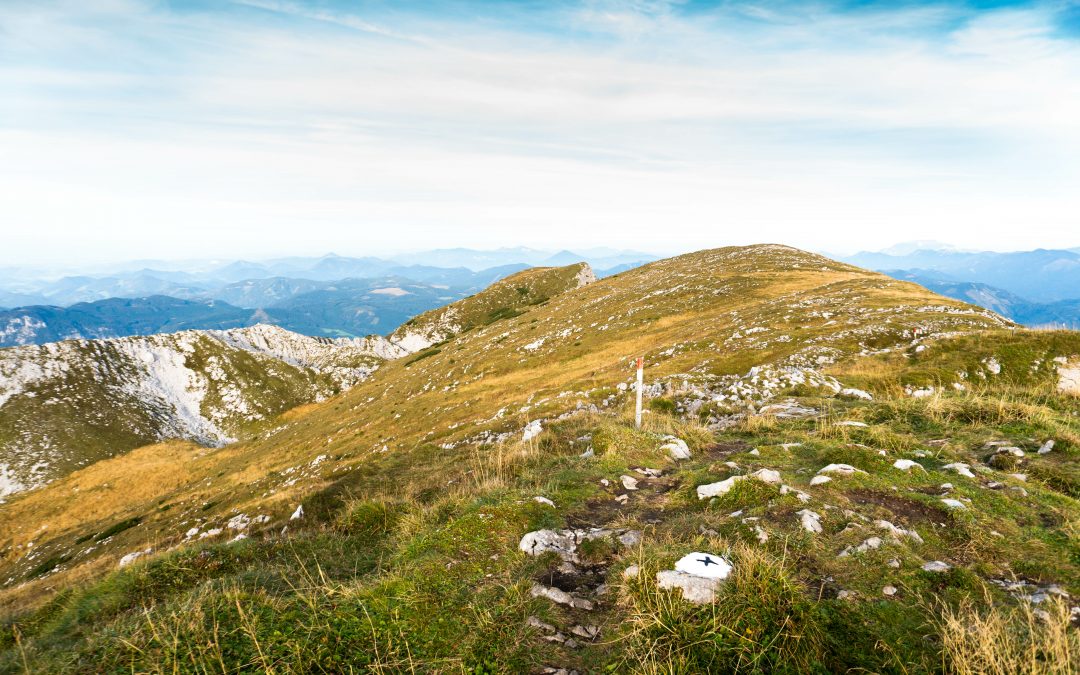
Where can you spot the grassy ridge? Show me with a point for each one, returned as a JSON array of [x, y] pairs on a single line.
[[422, 473]]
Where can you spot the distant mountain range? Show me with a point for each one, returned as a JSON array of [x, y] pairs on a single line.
[[467, 269], [348, 308], [1041, 275], [330, 296], [1035, 288]]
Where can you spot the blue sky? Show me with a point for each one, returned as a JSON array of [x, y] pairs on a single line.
[[140, 128]]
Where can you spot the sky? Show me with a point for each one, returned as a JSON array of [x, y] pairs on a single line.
[[255, 128]]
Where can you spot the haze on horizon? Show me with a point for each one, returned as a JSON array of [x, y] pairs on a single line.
[[258, 128]]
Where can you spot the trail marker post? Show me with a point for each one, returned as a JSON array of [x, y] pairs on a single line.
[[640, 383]]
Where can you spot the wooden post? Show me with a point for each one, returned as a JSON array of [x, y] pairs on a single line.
[[640, 384]]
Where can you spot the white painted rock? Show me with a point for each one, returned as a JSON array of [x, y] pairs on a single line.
[[696, 590], [810, 521], [907, 464], [676, 448], [937, 566], [705, 565], [960, 468]]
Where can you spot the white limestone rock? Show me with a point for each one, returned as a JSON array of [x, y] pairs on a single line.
[[676, 448]]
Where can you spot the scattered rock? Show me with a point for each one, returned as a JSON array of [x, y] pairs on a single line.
[[894, 563], [799, 494], [587, 632], [811, 521], [133, 556], [937, 566], [298, 513], [629, 482], [852, 423], [564, 543], [676, 448], [898, 532], [531, 431], [868, 545], [841, 469], [544, 500], [719, 488], [560, 596], [960, 468], [537, 623], [766, 476], [907, 465], [631, 572], [1046, 447], [954, 504], [851, 392], [819, 480], [889, 591]]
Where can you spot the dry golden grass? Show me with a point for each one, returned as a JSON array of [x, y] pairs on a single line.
[[1024, 640]]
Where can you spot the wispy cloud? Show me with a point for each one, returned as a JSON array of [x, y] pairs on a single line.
[[267, 126]]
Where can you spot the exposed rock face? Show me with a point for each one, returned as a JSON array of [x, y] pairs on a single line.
[[1069, 375], [64, 405]]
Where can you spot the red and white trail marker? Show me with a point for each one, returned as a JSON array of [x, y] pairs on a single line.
[[640, 382]]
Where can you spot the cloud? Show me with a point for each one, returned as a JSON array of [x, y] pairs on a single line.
[[273, 126]]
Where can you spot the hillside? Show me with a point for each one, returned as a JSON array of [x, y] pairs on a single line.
[[66, 405], [865, 454], [504, 299]]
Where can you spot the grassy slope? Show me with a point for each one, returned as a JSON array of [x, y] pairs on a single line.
[[407, 555], [504, 299]]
